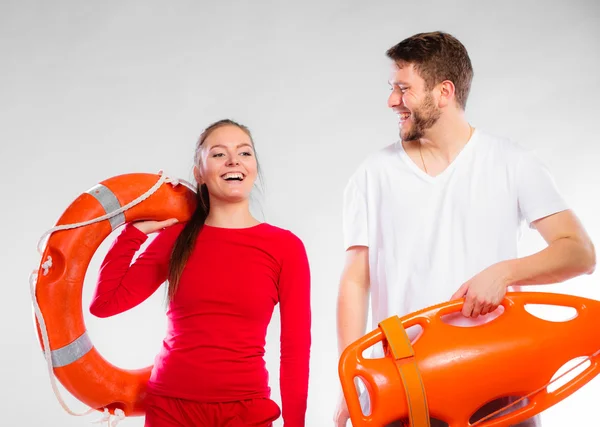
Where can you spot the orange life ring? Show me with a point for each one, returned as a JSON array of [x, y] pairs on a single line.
[[449, 371], [76, 363]]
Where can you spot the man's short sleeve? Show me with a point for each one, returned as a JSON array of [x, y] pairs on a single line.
[[537, 192], [354, 220]]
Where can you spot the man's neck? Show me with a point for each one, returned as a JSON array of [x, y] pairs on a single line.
[[447, 137]]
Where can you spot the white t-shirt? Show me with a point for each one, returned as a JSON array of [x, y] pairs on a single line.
[[428, 235]]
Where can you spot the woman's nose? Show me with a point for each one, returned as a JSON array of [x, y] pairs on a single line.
[[233, 161]]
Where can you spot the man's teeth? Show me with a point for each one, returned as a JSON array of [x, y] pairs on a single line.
[[404, 116]]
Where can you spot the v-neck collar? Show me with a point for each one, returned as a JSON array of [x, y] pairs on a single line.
[[425, 176]]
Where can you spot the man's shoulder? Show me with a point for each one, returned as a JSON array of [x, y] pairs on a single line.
[[375, 161], [500, 142], [501, 147]]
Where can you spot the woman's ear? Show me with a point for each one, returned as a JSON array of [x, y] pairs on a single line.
[[198, 175]]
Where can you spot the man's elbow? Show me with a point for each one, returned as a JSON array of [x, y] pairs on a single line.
[[590, 257], [584, 256]]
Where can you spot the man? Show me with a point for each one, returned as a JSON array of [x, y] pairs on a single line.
[[436, 215]]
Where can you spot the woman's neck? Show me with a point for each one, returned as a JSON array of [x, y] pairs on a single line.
[[230, 215]]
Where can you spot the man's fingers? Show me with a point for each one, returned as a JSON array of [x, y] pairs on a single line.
[[460, 293], [492, 307], [340, 420], [468, 307], [485, 310], [343, 421], [477, 307]]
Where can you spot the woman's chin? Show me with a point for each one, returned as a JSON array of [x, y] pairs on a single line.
[[234, 197]]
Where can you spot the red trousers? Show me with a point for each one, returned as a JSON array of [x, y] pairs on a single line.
[[172, 412]]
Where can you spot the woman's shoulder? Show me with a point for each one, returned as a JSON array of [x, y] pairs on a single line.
[[281, 235]]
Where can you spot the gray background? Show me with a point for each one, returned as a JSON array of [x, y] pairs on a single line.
[[89, 91]]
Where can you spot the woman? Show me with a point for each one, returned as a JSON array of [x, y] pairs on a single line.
[[226, 271]]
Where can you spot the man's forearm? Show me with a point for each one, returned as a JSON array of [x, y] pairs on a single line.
[[563, 259], [352, 308]]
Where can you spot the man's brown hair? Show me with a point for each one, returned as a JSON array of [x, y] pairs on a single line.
[[437, 56]]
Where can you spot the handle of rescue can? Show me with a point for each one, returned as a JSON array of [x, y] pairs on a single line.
[[350, 367]]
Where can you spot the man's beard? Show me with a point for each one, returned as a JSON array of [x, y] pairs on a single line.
[[422, 119]]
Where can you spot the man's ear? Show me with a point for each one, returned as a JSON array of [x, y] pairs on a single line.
[[447, 93]]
